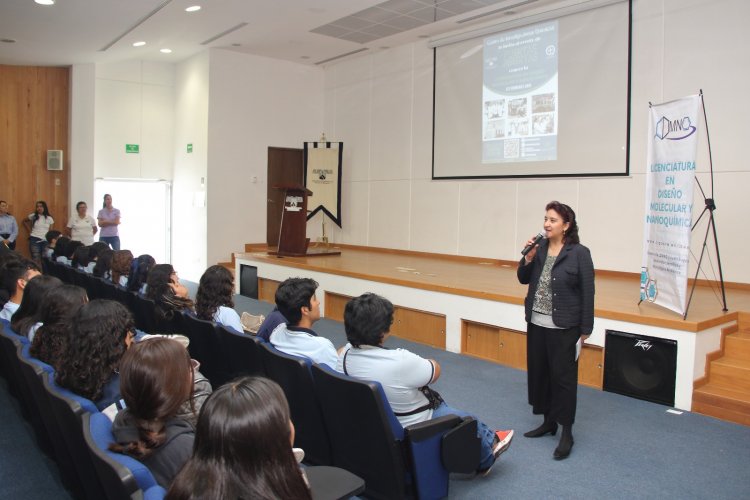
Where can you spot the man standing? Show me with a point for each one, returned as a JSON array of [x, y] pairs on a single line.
[[8, 227]]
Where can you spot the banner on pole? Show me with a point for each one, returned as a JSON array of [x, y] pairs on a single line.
[[670, 172], [323, 178]]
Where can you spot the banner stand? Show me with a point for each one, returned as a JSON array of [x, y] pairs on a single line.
[[710, 206]]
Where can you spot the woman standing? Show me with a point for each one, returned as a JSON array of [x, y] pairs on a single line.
[[38, 224], [82, 227], [109, 219], [560, 315]]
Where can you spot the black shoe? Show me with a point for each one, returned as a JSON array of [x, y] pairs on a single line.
[[566, 444], [545, 428]]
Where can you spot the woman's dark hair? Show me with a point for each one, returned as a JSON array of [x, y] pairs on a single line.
[[45, 212], [215, 289], [156, 378], [242, 447], [51, 235], [292, 295], [104, 198], [96, 249], [27, 314], [569, 216], [103, 263], [81, 256], [367, 319], [61, 247], [121, 265], [160, 290], [139, 269], [58, 306], [78, 205], [71, 248], [95, 344]]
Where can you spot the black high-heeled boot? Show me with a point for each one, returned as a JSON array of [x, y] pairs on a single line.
[[566, 443], [547, 427]]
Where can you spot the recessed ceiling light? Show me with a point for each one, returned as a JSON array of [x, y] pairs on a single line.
[[45, 2], [166, 51], [139, 44], [236, 45], [304, 57], [7, 40], [193, 8], [423, 36]]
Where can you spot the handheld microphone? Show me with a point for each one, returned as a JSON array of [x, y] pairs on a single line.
[[539, 237]]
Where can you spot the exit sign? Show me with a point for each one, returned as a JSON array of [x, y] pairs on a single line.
[[132, 148], [189, 148]]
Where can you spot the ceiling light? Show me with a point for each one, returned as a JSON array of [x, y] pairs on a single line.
[[45, 2], [193, 8], [7, 40], [139, 44], [166, 51]]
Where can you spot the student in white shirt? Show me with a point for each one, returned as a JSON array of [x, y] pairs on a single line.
[[82, 227], [15, 275], [296, 300]]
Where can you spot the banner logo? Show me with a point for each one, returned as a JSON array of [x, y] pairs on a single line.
[[643, 344], [674, 130]]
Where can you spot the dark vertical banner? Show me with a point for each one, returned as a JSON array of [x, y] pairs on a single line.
[[322, 163]]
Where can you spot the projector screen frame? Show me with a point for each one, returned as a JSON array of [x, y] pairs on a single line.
[[532, 20]]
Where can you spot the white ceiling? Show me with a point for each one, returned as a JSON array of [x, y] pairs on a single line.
[[97, 31]]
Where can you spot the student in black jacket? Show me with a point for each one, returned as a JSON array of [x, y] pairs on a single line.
[[560, 315]]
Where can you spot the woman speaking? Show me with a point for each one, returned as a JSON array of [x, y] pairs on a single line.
[[560, 315]]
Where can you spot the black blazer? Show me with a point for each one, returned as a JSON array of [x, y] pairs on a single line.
[[572, 285]]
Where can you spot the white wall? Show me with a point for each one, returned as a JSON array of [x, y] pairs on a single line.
[[82, 112], [254, 103], [380, 106], [189, 234]]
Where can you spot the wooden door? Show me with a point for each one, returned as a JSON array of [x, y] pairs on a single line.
[[284, 167]]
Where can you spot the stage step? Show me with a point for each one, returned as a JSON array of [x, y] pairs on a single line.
[[726, 395]]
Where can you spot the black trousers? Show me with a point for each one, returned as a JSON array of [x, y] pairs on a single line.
[[552, 372]]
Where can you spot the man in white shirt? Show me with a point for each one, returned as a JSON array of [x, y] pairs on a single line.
[[15, 274], [296, 300]]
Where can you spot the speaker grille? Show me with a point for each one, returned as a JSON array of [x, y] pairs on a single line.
[[54, 159], [639, 366]]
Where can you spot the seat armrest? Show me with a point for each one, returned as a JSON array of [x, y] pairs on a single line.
[[461, 449], [430, 428]]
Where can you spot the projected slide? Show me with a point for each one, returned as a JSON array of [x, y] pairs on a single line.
[[519, 95]]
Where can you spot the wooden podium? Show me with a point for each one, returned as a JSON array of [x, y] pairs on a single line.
[[293, 241]]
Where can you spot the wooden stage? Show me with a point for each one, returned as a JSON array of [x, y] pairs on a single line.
[[616, 293], [474, 306]]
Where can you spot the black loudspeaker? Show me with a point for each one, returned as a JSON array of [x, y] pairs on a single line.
[[249, 281], [639, 366]]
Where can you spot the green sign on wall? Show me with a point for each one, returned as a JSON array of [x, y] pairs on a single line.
[[189, 148], [132, 148]]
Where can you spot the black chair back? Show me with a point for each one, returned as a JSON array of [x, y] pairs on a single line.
[[145, 314], [9, 343], [204, 346], [293, 375], [241, 352], [361, 437]]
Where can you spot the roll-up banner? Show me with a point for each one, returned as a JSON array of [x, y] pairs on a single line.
[[323, 178], [670, 173]]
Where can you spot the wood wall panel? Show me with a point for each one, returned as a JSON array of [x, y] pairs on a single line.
[[419, 326], [267, 289], [34, 117], [335, 304]]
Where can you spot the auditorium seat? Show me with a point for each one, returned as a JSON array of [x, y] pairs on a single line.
[[121, 476], [241, 352], [292, 373], [368, 440], [68, 409], [9, 342], [204, 347], [144, 311]]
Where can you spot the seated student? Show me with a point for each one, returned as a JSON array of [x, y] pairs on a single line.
[[25, 320], [139, 270], [165, 289], [269, 324], [80, 260], [243, 447], [94, 251], [58, 306], [61, 250], [70, 251], [156, 379], [16, 273], [102, 331], [297, 302], [6, 256], [103, 267], [121, 267], [213, 301], [403, 375], [51, 238]]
